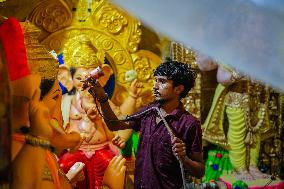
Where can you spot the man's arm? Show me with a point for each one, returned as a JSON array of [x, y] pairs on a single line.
[[193, 163], [109, 116]]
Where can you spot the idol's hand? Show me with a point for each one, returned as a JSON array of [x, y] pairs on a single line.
[[135, 89], [39, 117], [80, 176], [179, 148], [114, 175], [118, 141], [93, 114]]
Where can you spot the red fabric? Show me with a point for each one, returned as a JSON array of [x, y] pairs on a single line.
[[12, 38], [19, 137], [94, 167]]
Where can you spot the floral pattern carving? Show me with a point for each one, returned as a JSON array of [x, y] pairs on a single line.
[[113, 20], [51, 16]]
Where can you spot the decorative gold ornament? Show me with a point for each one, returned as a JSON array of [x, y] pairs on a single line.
[[110, 33], [116, 46], [235, 76], [272, 146], [38, 142], [262, 110], [84, 55], [181, 53], [214, 134], [112, 19], [51, 15], [39, 59], [144, 64]]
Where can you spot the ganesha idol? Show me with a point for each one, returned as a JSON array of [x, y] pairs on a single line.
[[36, 114], [237, 117], [81, 114]]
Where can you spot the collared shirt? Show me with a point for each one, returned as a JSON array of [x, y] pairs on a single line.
[[156, 166]]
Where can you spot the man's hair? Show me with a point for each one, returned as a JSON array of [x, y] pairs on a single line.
[[180, 73]]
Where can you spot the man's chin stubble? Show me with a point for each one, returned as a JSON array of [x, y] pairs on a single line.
[[160, 101]]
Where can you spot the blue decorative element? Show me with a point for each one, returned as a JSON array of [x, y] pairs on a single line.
[[60, 59], [215, 167], [109, 87], [63, 89], [60, 62], [106, 61], [263, 168]]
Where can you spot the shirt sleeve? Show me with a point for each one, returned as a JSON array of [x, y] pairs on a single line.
[[135, 124], [194, 137], [136, 119]]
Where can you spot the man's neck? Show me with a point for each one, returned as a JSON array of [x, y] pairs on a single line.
[[170, 106]]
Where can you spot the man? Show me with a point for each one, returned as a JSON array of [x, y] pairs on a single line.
[[156, 163]]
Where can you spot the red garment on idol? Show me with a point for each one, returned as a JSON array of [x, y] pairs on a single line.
[[94, 169]]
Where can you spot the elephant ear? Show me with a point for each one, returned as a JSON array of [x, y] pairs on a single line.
[[65, 77], [108, 71]]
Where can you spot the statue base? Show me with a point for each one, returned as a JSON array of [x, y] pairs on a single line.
[[266, 183]]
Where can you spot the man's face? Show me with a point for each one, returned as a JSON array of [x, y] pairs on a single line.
[[164, 89]]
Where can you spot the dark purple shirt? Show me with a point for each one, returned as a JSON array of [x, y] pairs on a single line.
[[156, 166]]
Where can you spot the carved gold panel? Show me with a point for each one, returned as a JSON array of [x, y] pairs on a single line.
[[271, 158], [111, 32]]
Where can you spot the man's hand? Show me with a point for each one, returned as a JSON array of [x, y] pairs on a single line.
[[97, 91], [179, 148], [193, 162]]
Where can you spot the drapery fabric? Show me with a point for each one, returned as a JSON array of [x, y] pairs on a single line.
[[247, 35]]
